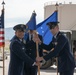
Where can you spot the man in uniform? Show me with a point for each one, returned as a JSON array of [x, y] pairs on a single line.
[[31, 52], [17, 52], [59, 47]]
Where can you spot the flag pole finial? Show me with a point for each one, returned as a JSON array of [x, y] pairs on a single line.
[[34, 11], [3, 3], [56, 6]]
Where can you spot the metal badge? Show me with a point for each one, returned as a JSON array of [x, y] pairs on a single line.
[[55, 43], [24, 41], [23, 48], [22, 26]]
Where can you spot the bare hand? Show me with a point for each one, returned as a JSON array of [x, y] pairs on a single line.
[[36, 38], [38, 64], [38, 59]]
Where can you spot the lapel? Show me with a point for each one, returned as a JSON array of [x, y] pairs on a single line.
[[57, 35], [26, 36], [54, 40]]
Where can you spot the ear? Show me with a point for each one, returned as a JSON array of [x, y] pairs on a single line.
[[15, 32]]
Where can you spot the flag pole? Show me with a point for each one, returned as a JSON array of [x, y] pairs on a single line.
[[37, 55], [37, 51], [3, 3], [31, 25], [57, 17]]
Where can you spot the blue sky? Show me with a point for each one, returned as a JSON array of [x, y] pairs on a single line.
[[19, 11]]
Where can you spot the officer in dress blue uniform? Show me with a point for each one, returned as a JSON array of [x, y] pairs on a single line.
[[31, 52], [59, 47], [17, 52]]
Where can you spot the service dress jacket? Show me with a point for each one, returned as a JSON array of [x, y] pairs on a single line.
[[18, 57], [31, 48], [60, 48]]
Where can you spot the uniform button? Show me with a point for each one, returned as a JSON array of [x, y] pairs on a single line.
[[30, 49]]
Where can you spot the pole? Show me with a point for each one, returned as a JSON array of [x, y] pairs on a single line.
[[4, 41], [3, 63], [38, 56], [56, 6], [57, 57], [37, 53]]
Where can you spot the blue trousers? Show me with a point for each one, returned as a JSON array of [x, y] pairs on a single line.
[[30, 70]]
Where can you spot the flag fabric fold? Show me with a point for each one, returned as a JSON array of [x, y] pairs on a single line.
[[44, 30], [2, 29], [31, 24]]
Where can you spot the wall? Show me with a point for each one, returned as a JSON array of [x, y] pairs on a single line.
[[66, 15]]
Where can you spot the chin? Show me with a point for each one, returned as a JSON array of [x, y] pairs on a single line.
[[20, 37]]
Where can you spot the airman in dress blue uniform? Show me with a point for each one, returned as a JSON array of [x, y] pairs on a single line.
[[31, 52], [17, 52], [59, 48]]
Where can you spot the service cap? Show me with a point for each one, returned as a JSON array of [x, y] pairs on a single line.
[[21, 27], [52, 24]]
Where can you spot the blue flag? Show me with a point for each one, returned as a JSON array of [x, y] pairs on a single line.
[[32, 22], [44, 30]]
